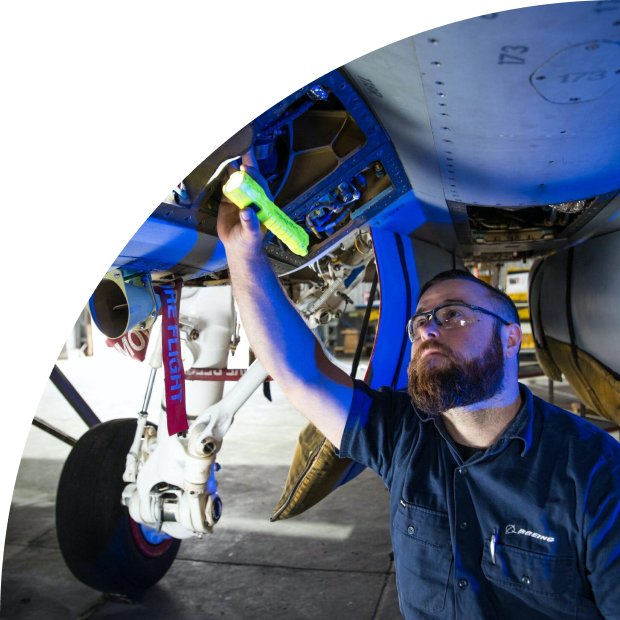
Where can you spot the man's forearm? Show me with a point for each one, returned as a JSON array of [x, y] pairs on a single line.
[[278, 335], [287, 348]]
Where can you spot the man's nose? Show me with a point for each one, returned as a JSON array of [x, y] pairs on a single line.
[[429, 330]]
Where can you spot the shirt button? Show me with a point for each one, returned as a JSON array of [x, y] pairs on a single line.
[[411, 529], [525, 580], [462, 470], [463, 525], [463, 583]]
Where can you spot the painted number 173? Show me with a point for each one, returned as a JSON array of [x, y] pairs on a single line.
[[588, 75], [511, 55]]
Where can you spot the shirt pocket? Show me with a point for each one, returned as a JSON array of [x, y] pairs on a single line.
[[544, 582], [423, 556]]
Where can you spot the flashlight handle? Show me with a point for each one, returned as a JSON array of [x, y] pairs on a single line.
[[248, 192]]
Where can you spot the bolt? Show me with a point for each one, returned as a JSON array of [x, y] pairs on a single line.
[[193, 335], [153, 314], [142, 325], [117, 274], [540, 77], [433, 41]]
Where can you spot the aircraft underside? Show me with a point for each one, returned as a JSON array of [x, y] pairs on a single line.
[[490, 140]]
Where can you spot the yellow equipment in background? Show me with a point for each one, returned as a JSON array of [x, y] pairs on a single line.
[[516, 287]]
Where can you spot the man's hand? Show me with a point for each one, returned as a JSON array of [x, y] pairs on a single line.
[[240, 229]]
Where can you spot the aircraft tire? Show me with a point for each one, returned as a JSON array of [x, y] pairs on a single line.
[[102, 546]]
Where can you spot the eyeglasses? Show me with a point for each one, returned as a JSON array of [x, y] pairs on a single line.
[[447, 316]]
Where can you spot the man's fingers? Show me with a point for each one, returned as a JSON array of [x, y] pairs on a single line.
[[249, 159]]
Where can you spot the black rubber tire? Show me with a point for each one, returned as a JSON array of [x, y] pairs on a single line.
[[94, 529]]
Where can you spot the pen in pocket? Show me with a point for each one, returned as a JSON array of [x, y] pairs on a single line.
[[492, 543]]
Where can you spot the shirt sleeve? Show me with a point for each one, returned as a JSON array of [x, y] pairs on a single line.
[[602, 531], [373, 428]]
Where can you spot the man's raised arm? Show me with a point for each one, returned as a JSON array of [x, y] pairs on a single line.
[[279, 336]]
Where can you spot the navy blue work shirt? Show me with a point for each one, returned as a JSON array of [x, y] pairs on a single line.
[[549, 488]]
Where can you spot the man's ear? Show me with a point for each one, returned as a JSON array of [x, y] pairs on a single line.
[[515, 336]]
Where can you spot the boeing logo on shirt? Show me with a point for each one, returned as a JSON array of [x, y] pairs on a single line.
[[511, 529]]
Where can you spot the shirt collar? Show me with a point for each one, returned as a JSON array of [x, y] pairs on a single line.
[[521, 427]]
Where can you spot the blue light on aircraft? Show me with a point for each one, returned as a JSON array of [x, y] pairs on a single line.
[[158, 245]]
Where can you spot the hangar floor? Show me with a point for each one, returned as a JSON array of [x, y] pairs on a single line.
[[332, 562]]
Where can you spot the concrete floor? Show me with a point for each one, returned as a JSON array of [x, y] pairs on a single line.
[[332, 562]]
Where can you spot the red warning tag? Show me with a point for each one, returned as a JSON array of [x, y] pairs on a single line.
[[170, 295]]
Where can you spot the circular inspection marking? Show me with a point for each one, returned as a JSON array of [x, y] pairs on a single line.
[[579, 73]]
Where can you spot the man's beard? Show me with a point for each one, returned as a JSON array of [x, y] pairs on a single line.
[[437, 385]]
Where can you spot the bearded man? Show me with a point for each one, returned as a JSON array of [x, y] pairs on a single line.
[[502, 505]]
